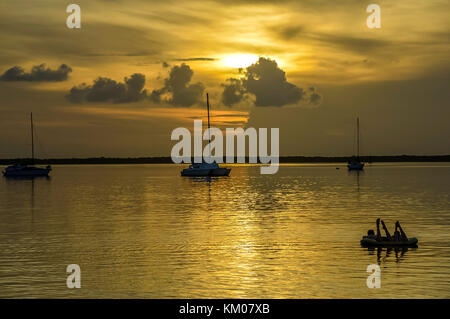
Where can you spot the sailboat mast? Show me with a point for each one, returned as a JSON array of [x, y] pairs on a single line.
[[32, 139], [357, 137], [209, 127], [207, 106]]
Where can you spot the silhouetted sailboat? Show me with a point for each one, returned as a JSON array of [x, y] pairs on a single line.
[[20, 170], [206, 169], [355, 164]]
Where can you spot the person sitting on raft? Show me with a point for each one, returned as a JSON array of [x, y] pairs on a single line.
[[402, 236], [399, 234]]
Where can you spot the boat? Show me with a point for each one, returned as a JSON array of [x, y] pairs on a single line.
[[204, 168], [355, 164], [370, 242], [23, 170]]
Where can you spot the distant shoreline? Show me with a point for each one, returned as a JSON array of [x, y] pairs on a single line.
[[283, 159]]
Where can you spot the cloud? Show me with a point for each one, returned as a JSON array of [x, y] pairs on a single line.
[[350, 43], [195, 59], [314, 98], [288, 32], [120, 54], [105, 89], [233, 92], [268, 83], [39, 73], [342, 41], [177, 85]]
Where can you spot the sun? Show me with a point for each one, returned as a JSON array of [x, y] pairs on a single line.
[[239, 60]]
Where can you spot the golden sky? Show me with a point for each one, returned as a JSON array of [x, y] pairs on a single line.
[[330, 67]]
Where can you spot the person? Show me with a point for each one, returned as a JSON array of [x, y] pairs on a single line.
[[388, 236], [371, 234], [378, 236], [402, 234], [399, 234]]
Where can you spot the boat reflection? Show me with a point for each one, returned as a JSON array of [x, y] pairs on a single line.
[[29, 178], [398, 252], [357, 174]]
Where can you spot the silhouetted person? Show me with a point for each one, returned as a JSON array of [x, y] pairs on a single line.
[[402, 234], [378, 237], [371, 234], [399, 234], [378, 230], [388, 236]]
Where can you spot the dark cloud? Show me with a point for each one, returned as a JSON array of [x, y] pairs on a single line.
[[104, 89], [233, 92], [288, 32], [351, 43], [120, 54], [314, 97], [361, 45], [195, 59], [39, 73], [177, 85], [267, 82]]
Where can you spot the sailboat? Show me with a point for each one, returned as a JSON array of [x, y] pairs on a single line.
[[355, 164], [206, 169], [20, 170]]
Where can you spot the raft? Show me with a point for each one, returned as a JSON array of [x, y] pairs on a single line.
[[368, 242]]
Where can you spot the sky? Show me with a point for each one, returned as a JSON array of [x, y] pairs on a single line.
[[136, 70]]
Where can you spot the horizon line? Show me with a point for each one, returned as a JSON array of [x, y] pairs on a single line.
[[282, 159]]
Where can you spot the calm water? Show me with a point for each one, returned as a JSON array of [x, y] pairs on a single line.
[[144, 231]]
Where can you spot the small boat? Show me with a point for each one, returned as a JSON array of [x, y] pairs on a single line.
[[18, 170], [355, 164], [204, 168], [21, 170], [370, 242]]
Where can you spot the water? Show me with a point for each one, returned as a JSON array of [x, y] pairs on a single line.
[[142, 231]]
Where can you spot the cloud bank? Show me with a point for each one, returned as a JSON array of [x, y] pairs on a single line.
[[105, 89], [177, 89], [177, 85], [268, 83], [39, 73]]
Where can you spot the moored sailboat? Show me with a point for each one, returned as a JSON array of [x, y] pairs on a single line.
[[355, 164], [21, 170], [204, 168]]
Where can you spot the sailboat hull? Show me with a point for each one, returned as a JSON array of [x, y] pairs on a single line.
[[221, 171], [27, 171], [355, 166]]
